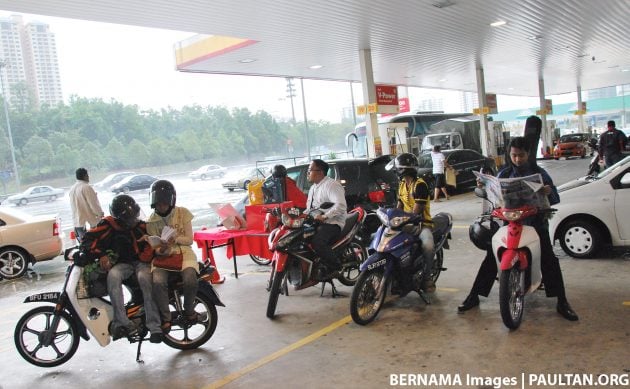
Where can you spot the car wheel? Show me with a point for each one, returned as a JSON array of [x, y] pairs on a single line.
[[231, 189], [203, 177], [245, 184], [580, 239], [221, 175], [13, 263], [125, 190], [23, 202], [52, 198]]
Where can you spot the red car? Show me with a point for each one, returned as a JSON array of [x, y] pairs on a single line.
[[571, 145]]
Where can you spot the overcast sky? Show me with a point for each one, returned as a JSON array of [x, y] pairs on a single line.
[[136, 65]]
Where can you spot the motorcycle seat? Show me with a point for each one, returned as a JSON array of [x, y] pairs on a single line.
[[441, 225], [351, 220]]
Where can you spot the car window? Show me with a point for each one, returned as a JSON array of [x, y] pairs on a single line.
[[425, 160], [46, 190]]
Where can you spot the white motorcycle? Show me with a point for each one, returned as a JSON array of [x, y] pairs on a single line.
[[516, 246], [48, 336]]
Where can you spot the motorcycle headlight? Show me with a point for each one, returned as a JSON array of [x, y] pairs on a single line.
[[292, 222], [287, 239], [512, 215], [398, 221]]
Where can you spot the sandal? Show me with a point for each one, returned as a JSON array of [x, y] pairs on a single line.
[[166, 327], [197, 317]]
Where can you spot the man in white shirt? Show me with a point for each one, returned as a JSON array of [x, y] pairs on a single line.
[[325, 189], [84, 204], [439, 164]]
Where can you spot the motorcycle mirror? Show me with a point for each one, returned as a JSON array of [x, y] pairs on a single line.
[[480, 192]]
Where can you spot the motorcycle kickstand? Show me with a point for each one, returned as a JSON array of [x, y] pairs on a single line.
[[138, 360], [334, 289]]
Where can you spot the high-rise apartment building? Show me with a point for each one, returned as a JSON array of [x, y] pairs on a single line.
[[31, 67]]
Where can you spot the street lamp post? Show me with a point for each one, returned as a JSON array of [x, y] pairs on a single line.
[[6, 115]]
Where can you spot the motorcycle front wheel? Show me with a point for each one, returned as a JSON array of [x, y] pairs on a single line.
[[512, 296], [354, 256], [187, 335], [274, 292], [35, 326], [368, 296]]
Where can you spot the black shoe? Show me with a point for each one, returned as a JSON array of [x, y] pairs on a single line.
[[122, 331], [566, 311], [156, 337], [471, 301]]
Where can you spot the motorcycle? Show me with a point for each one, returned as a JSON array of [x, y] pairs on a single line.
[[595, 165], [49, 336], [396, 259], [516, 246], [295, 262]]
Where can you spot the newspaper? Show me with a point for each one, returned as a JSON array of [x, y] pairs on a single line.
[[167, 233], [514, 192]]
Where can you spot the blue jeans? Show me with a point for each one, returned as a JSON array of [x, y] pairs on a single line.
[[160, 291], [115, 277]]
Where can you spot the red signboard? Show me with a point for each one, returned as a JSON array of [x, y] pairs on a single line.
[[403, 104], [386, 95]]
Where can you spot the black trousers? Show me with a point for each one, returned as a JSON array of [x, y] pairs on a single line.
[[322, 242], [549, 266]]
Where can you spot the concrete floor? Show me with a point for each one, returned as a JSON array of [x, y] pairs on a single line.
[[313, 343]]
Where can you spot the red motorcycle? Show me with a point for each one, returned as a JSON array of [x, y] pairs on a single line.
[[295, 262]]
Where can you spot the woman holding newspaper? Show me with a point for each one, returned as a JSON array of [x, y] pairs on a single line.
[[171, 233], [520, 166]]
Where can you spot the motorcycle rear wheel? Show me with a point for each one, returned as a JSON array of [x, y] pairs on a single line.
[[350, 272], [512, 296], [260, 260], [31, 329], [185, 335], [274, 292], [368, 296]]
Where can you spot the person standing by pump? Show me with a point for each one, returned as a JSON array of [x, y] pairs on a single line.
[[84, 204]]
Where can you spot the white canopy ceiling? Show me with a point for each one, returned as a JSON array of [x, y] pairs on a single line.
[[426, 43]]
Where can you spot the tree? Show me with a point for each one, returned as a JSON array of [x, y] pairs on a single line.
[[37, 155]]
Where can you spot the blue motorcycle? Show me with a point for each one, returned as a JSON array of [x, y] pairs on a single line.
[[395, 260]]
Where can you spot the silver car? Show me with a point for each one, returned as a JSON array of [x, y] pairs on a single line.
[[36, 193], [208, 171]]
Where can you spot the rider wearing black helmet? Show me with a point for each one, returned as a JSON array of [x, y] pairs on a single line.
[[163, 198], [118, 244], [414, 197]]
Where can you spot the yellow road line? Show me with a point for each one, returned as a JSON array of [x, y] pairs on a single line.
[[269, 358]]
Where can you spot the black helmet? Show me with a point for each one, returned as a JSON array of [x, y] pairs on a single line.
[[279, 171], [406, 164], [481, 232], [125, 210], [162, 191]]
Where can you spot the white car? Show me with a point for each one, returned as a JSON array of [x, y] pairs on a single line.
[[208, 171], [593, 212], [26, 239], [36, 193]]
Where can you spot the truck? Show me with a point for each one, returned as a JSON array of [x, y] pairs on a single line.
[[461, 133], [398, 133]]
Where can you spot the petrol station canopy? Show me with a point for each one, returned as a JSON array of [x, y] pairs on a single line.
[[422, 43]]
